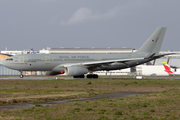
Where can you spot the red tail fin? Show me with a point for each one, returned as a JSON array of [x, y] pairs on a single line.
[[167, 68]]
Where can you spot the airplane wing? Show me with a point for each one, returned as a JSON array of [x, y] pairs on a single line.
[[103, 62], [110, 61], [106, 62]]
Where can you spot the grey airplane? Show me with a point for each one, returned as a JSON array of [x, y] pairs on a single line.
[[77, 65]]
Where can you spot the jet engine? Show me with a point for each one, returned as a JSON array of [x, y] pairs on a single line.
[[57, 70], [52, 73], [75, 70]]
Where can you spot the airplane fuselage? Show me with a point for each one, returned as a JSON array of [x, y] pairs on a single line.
[[46, 62]]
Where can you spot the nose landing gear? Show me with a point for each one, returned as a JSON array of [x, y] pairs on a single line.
[[21, 74]]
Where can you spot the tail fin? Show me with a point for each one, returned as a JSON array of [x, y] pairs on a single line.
[[167, 68], [154, 42]]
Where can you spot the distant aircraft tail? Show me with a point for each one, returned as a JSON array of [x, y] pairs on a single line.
[[154, 42], [167, 68]]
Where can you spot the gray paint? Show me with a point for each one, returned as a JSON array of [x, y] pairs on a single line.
[[76, 64]]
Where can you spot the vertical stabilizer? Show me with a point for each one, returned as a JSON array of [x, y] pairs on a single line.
[[167, 68], [154, 42]]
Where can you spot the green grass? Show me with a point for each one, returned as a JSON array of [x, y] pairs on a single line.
[[24, 91], [163, 104], [158, 106]]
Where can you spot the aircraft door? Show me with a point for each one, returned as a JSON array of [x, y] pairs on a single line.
[[99, 59], [134, 56], [47, 59], [21, 59]]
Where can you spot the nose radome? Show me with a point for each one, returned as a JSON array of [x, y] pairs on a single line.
[[5, 64]]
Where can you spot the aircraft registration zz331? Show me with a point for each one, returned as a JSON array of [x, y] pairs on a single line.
[[77, 65]]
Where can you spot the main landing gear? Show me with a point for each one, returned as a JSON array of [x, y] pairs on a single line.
[[88, 76], [21, 74], [79, 76], [92, 76]]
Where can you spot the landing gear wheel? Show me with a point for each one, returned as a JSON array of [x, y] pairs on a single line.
[[21, 76], [95, 76], [92, 76], [79, 76], [89, 76]]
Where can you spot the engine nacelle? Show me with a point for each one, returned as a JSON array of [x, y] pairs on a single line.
[[59, 70], [52, 73], [76, 70]]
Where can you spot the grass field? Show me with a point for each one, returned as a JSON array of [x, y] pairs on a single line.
[[163, 104]]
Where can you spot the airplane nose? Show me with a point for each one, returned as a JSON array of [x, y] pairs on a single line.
[[4, 63]]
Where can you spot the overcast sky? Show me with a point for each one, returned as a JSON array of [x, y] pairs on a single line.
[[38, 24]]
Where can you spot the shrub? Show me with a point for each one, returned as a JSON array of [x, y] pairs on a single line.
[[145, 104], [14, 101], [103, 118], [38, 105], [89, 83], [118, 113], [76, 109], [152, 110], [102, 111], [88, 109]]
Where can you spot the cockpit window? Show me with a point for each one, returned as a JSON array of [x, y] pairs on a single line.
[[9, 59]]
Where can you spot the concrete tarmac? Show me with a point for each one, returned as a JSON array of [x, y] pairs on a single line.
[[71, 78], [162, 77], [34, 78]]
